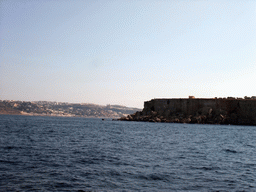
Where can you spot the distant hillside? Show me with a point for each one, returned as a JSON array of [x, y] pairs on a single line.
[[46, 108]]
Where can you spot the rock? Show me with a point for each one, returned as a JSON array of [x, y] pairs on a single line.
[[187, 120], [182, 120], [151, 120], [157, 120], [138, 114], [129, 117], [144, 112], [176, 120], [203, 118], [153, 113], [124, 119], [220, 111], [193, 119]]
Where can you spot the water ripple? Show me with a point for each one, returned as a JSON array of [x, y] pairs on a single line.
[[76, 154]]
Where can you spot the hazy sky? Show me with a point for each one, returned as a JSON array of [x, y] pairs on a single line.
[[124, 51]]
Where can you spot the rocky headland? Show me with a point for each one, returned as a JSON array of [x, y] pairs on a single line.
[[235, 111]]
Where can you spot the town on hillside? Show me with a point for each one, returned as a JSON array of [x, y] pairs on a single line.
[[48, 108]]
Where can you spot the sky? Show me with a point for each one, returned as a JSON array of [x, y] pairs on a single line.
[[126, 51]]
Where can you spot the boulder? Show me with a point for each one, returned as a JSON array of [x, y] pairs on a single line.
[[130, 118], [157, 119], [153, 113]]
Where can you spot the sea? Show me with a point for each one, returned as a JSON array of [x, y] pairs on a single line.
[[81, 154]]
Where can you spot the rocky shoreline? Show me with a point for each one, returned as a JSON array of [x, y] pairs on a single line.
[[205, 115]]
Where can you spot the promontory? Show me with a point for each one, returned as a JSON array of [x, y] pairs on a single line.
[[230, 110]]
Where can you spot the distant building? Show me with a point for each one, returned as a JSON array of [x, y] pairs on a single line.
[[191, 97]]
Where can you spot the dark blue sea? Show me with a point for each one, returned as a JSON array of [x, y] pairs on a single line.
[[79, 154]]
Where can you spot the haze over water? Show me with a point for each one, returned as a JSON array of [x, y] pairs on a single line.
[[126, 52], [72, 154]]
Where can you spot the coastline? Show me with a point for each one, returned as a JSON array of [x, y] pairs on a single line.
[[197, 111], [56, 115]]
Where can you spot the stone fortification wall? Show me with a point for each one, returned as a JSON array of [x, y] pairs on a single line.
[[219, 111], [191, 106]]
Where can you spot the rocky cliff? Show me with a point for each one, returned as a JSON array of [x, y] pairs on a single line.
[[202, 111]]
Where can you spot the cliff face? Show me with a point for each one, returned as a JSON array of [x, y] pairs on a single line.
[[218, 111]]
